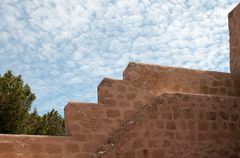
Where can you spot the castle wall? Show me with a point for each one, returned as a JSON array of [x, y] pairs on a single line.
[[161, 79], [26, 146], [91, 127], [234, 31], [183, 126], [118, 100], [91, 124], [122, 96], [88, 125]]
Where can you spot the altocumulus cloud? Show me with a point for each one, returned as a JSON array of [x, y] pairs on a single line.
[[64, 48]]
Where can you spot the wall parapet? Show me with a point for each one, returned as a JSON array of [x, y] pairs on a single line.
[[29, 146], [161, 79]]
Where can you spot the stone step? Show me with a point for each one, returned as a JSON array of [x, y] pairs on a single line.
[[122, 96], [179, 124], [90, 124], [161, 79]]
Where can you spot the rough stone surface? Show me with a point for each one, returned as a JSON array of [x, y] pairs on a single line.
[[234, 31], [160, 79], [163, 138]]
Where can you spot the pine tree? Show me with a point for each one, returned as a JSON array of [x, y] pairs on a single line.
[[52, 124], [15, 106], [15, 103], [31, 124]]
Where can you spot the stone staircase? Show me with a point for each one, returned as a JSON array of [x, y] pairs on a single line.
[[151, 113], [126, 104], [194, 127]]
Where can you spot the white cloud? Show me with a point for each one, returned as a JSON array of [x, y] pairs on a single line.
[[64, 48]]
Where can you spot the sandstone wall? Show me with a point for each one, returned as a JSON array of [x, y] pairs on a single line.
[[234, 30], [92, 124], [128, 119], [122, 96], [88, 125], [25, 146], [159, 79], [127, 108], [180, 125]]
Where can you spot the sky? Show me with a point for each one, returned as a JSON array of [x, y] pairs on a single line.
[[63, 49]]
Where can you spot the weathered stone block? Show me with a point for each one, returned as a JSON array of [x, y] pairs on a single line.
[[113, 113], [203, 126], [6, 147], [53, 149], [171, 126], [72, 148], [158, 154], [187, 113]]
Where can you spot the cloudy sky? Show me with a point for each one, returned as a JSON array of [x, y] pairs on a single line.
[[63, 49]]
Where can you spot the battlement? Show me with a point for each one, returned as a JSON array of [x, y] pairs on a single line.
[[161, 79]]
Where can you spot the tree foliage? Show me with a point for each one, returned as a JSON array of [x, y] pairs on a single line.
[[15, 103], [15, 110], [52, 124]]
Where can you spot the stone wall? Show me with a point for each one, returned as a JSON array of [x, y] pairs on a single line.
[[88, 125], [180, 125], [234, 31], [92, 124], [25, 146], [122, 96], [161, 79]]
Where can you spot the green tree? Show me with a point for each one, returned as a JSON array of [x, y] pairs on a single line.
[[52, 124], [15, 103], [32, 124]]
